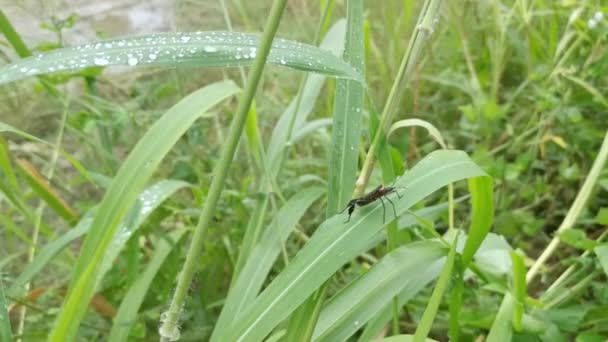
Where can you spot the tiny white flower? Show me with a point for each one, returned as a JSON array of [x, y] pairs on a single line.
[[598, 16], [591, 24]]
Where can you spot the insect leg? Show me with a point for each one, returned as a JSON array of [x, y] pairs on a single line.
[[383, 210], [351, 208], [393, 204]]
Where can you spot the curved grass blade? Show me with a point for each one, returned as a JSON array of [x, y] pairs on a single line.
[[127, 312], [406, 269], [426, 322], [129, 181], [151, 198], [263, 256], [335, 243], [200, 49]]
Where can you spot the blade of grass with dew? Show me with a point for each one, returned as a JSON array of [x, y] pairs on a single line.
[[333, 42], [193, 49], [128, 182], [335, 243], [46, 193], [263, 256], [519, 289], [298, 110], [126, 316], [169, 328], [347, 116], [342, 167], [426, 322], [406, 269], [152, 196]]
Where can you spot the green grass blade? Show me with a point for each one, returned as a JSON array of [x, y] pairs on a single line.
[[129, 181], [426, 322], [263, 256], [482, 203], [502, 329], [46, 254], [127, 312], [335, 243], [519, 289], [200, 49], [152, 196], [5, 322], [334, 42], [348, 111], [407, 269], [4, 127]]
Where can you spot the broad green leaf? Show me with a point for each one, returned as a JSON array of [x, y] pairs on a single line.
[[134, 173], [200, 49], [263, 256], [577, 239], [407, 269], [126, 316], [335, 243]]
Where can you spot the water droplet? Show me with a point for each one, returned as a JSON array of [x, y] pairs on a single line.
[[152, 56], [283, 61], [186, 39], [101, 61], [132, 61], [208, 48]]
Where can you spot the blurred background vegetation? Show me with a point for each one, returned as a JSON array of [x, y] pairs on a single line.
[[519, 85]]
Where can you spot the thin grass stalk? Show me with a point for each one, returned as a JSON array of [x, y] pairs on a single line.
[[169, 328], [574, 211], [31, 253], [13, 37], [422, 32]]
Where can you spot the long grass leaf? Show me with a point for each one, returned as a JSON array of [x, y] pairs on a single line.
[[129, 181], [407, 269], [194, 49], [263, 256]]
